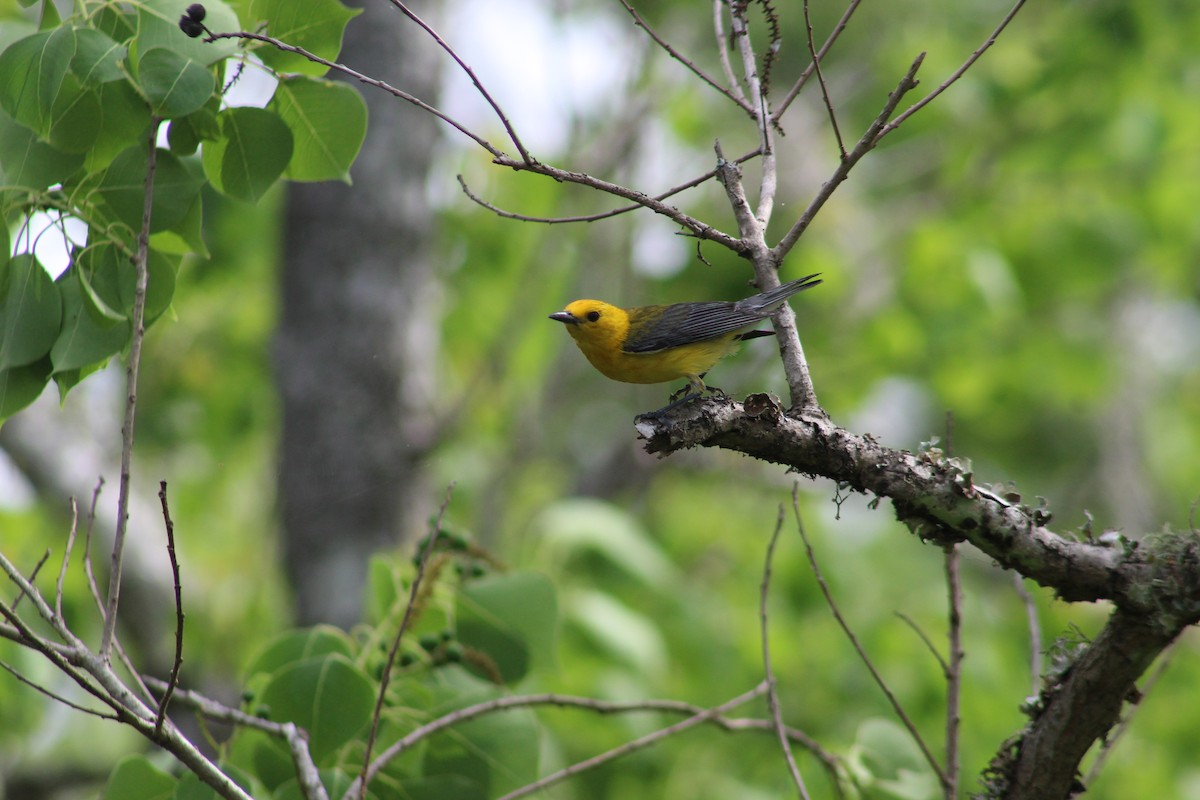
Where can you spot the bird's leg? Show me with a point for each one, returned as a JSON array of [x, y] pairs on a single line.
[[694, 390]]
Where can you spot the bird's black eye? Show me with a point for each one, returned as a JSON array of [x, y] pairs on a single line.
[[593, 316]]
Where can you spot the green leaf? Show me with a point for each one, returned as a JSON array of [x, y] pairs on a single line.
[[74, 117], [329, 697], [315, 25], [176, 86], [253, 151], [444, 787], [50, 17], [335, 781], [20, 386], [25, 160], [885, 760], [185, 237], [123, 189], [69, 379], [136, 778], [511, 618], [31, 75], [328, 122], [109, 278], [97, 58], [192, 788], [124, 118], [158, 26], [30, 312], [87, 337], [300, 645]]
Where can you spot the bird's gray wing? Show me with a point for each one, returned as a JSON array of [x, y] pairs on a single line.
[[684, 323]]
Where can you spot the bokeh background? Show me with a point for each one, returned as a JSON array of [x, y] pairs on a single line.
[[1023, 254]]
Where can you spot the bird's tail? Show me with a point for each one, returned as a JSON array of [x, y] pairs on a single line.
[[766, 302]]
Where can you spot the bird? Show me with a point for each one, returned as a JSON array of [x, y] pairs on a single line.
[[657, 344]]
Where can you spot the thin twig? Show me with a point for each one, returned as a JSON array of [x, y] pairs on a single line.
[[858, 648], [865, 144], [32, 577], [958, 73], [508, 127], [1035, 634], [828, 760], [435, 533], [173, 680], [66, 559], [57, 698], [131, 382], [768, 673], [953, 672], [816, 63], [925, 638], [811, 68], [635, 744], [690, 184], [306, 770], [361, 78], [768, 185], [737, 99], [735, 87], [94, 588]]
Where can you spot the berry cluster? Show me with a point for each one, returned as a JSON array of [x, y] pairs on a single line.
[[192, 22]]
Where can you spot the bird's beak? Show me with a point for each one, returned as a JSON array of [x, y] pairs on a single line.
[[565, 317]]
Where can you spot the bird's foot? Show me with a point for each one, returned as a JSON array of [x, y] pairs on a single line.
[[673, 402]]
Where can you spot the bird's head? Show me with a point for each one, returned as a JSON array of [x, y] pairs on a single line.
[[594, 321]]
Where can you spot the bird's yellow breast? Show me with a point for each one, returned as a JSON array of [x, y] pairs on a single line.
[[602, 341]]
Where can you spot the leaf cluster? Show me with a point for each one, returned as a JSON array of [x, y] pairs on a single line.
[[83, 104]]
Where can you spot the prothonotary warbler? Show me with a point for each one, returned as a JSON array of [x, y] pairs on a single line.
[[655, 344]]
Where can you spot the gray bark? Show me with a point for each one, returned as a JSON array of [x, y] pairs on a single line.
[[358, 336]]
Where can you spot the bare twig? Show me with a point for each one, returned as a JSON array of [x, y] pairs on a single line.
[[1035, 634], [738, 99], [828, 760], [131, 381], [928, 642], [762, 119], [173, 680], [434, 534], [862, 654], [508, 127], [958, 73], [811, 68], [735, 87], [691, 184], [361, 78], [66, 559], [865, 144], [816, 64], [32, 577], [768, 673], [306, 771], [953, 672], [57, 698], [635, 744]]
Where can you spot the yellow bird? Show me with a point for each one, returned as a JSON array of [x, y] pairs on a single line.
[[655, 344]]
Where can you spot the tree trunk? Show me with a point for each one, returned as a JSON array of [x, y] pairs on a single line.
[[357, 345]]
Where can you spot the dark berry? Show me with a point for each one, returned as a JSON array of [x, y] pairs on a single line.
[[196, 11], [190, 27]]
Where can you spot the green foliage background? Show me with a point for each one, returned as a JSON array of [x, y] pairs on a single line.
[[1024, 253]]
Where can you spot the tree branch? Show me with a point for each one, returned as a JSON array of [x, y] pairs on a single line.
[[131, 381]]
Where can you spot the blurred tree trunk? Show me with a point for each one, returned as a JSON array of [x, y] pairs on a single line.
[[357, 345]]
